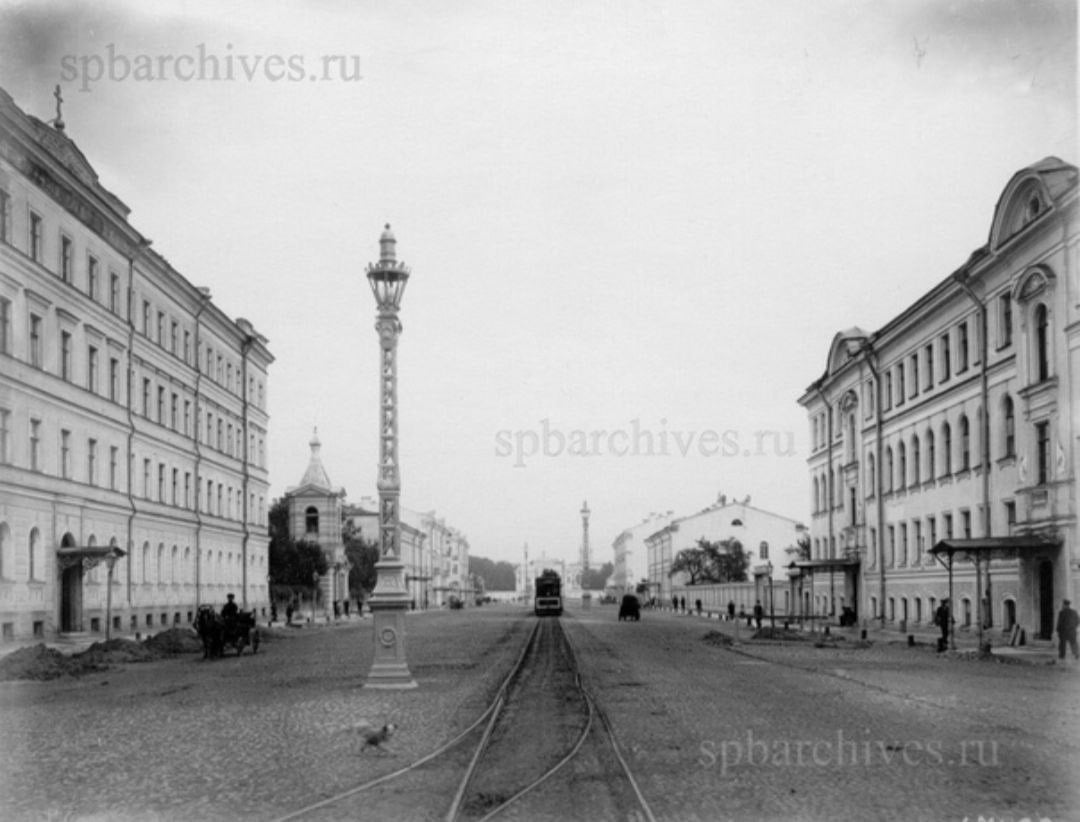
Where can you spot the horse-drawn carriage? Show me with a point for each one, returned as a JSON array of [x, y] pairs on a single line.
[[217, 632]]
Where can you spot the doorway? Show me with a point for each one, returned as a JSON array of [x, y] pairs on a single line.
[[1046, 599]]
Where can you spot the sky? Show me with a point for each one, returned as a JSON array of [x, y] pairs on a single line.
[[633, 228]]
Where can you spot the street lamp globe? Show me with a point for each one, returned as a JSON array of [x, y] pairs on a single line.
[[388, 277]]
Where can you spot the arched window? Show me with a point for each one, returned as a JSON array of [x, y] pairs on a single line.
[[871, 475], [1010, 426], [901, 472], [887, 476], [1042, 343], [815, 498], [174, 557], [146, 562], [311, 520], [159, 568], [931, 465], [946, 450], [916, 455], [965, 444], [34, 550]]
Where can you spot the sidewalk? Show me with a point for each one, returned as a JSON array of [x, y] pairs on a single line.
[[1037, 652]]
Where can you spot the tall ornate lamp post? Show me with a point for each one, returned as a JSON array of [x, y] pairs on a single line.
[[390, 599]]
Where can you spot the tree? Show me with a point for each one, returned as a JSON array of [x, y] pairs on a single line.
[[362, 555], [723, 561], [292, 563], [497, 576], [694, 562], [594, 579]]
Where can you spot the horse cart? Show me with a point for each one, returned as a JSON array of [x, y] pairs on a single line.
[[218, 633]]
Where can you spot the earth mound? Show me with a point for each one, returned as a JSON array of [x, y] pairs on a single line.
[[174, 641], [36, 662], [785, 634], [718, 638]]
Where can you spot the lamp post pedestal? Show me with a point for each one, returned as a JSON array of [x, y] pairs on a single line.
[[388, 603]]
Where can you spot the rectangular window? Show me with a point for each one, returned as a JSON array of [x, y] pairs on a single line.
[[5, 421], [1010, 513], [209, 496], [92, 369], [916, 558], [146, 318], [114, 379], [92, 277], [962, 353], [161, 405], [35, 237], [174, 411], [35, 341], [929, 367], [174, 336], [91, 462], [892, 545], [161, 482], [1004, 321], [65, 453], [965, 523], [1042, 452], [5, 326], [209, 427], [161, 328], [114, 293], [146, 478], [146, 397], [887, 399], [66, 251], [187, 489], [946, 358], [903, 544], [931, 525], [35, 445], [187, 346], [220, 435], [175, 485], [65, 355], [187, 417], [114, 454], [914, 375], [5, 217], [901, 394], [947, 518]]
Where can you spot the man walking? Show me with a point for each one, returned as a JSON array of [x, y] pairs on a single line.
[[942, 618], [1066, 630], [759, 612]]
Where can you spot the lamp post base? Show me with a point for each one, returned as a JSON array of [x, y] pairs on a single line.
[[389, 669]]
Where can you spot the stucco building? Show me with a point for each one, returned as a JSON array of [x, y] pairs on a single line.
[[631, 558], [133, 423], [954, 427]]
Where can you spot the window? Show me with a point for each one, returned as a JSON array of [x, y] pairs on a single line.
[[946, 358], [889, 467], [175, 485], [187, 417], [174, 407], [92, 277], [903, 545], [901, 452], [916, 556], [1042, 452], [114, 454], [929, 375], [114, 379], [187, 346], [931, 526], [66, 251], [91, 462], [965, 444], [5, 216], [146, 318], [887, 399], [1042, 343], [311, 520], [65, 355], [963, 349], [915, 457], [901, 395], [220, 434], [5, 416], [1010, 513], [5, 326], [65, 453], [174, 334], [1010, 427], [209, 496], [871, 476], [947, 518], [930, 463], [146, 478], [914, 375], [161, 328], [965, 523], [35, 237], [187, 489], [1004, 321], [161, 405], [146, 397], [892, 546], [35, 341], [114, 293], [946, 450], [92, 369], [161, 482]]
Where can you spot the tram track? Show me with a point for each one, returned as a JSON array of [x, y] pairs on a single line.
[[542, 736]]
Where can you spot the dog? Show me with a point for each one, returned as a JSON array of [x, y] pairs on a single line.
[[371, 737]]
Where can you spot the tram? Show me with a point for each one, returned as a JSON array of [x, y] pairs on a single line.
[[548, 600]]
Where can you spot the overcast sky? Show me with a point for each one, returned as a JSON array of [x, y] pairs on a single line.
[[641, 219]]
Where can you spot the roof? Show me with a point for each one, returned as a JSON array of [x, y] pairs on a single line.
[[825, 564], [315, 477], [993, 547]]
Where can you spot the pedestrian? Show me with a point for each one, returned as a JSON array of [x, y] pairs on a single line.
[[675, 604], [682, 604], [337, 609], [273, 612], [288, 614], [346, 608], [942, 619], [697, 606], [759, 612], [1066, 630], [731, 610]]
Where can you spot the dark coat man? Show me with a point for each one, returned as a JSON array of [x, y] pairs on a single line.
[[1066, 630]]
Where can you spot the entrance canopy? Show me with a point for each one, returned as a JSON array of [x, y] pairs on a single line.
[[833, 564], [88, 555], [988, 548]]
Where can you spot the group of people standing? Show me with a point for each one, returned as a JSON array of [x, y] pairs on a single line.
[[1065, 628]]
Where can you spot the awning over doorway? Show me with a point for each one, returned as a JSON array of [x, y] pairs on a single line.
[[987, 548], [833, 564], [88, 555]]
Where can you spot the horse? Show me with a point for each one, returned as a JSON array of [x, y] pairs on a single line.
[[215, 632]]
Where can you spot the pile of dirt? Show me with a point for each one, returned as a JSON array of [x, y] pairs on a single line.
[[36, 662], [784, 634], [718, 638], [174, 641], [101, 655]]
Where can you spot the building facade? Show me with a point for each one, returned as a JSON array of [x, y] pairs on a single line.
[[133, 423], [949, 436], [631, 559], [765, 537]]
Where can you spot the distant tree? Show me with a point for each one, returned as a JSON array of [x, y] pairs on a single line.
[[723, 561], [362, 555], [695, 563], [497, 576], [594, 579]]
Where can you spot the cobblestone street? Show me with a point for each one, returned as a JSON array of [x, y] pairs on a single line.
[[754, 731]]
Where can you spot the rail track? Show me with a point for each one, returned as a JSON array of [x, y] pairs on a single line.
[[542, 748]]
